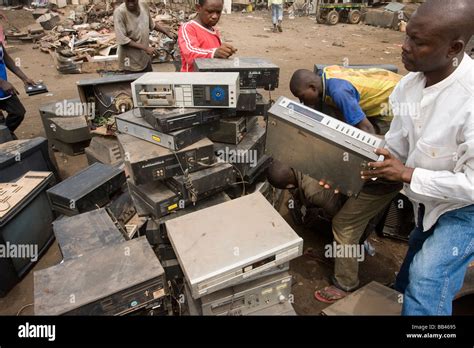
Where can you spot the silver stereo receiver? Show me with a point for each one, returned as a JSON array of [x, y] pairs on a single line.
[[190, 90], [229, 243], [319, 145]]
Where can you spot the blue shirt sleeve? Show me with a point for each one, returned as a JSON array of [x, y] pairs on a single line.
[[346, 98]]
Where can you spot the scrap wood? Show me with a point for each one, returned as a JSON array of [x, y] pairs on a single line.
[[88, 31]]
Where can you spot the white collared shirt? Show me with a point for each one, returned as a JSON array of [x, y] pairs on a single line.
[[433, 132]]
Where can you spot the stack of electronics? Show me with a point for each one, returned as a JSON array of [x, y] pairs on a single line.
[[237, 261], [169, 159], [169, 143], [104, 271], [241, 139]]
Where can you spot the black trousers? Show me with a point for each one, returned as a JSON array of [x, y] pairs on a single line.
[[15, 112]]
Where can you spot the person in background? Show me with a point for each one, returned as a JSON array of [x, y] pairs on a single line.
[[277, 14], [133, 23], [9, 101], [199, 39]]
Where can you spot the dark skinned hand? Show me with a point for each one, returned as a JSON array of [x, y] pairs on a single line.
[[225, 51], [8, 87], [391, 169]]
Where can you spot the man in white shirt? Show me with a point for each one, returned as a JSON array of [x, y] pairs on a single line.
[[430, 148]]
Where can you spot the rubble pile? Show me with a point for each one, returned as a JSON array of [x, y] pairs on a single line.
[[82, 39]]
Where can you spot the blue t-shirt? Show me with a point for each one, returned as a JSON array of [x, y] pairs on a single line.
[[3, 74], [346, 98]]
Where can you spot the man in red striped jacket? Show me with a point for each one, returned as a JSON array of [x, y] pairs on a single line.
[[198, 38]]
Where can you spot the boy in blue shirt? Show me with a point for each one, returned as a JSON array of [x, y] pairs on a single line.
[[9, 101], [359, 95]]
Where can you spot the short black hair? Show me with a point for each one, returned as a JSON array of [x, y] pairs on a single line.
[[301, 78], [280, 175]]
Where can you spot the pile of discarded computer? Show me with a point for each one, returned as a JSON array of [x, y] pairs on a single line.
[[165, 226]]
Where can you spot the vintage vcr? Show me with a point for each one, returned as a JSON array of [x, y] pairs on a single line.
[[198, 89], [118, 279], [218, 302], [233, 130], [168, 120], [146, 162], [133, 124], [156, 198], [253, 72], [203, 183], [79, 234], [89, 189], [235, 241], [156, 228], [246, 298], [319, 145]]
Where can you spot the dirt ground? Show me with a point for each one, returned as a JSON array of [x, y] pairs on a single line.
[[302, 44]]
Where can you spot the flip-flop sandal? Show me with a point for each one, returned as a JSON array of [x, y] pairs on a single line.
[[330, 294]]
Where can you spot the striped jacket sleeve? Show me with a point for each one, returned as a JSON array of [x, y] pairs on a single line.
[[189, 45]]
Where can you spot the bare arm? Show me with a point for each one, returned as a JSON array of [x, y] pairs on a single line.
[[165, 31], [366, 126]]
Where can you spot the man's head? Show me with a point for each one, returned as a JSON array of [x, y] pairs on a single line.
[[132, 5], [209, 11], [307, 87], [437, 33], [281, 176]]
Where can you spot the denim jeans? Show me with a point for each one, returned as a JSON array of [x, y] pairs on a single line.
[[277, 13], [436, 262]]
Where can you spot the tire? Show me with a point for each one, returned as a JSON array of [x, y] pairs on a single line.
[[332, 18], [354, 16], [320, 19]]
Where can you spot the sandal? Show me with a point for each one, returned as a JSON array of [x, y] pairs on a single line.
[[330, 294]]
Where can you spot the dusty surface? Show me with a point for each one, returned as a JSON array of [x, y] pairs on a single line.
[[302, 44]]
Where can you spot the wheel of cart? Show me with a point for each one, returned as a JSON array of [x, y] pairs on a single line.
[[334, 11]]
